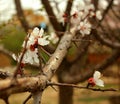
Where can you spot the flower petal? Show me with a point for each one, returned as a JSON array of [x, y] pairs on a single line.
[[35, 31], [100, 83], [96, 75], [41, 32], [14, 57], [43, 41]]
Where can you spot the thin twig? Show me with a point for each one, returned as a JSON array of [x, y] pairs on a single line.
[[27, 99], [107, 10], [114, 12], [46, 52], [40, 59], [21, 58], [82, 87]]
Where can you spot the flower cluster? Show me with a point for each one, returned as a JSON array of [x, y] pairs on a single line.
[[95, 80], [81, 15], [82, 12], [31, 55]]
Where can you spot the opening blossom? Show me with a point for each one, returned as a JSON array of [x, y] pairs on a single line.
[[81, 15], [95, 80], [85, 28]]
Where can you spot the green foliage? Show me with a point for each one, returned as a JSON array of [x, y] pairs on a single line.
[[12, 38], [44, 56]]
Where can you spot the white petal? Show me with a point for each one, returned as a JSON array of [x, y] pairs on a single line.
[[96, 75], [100, 83], [43, 42], [14, 57], [98, 15], [41, 32], [31, 41], [36, 60], [35, 31], [31, 57]]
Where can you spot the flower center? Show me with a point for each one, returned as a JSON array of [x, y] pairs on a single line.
[[91, 81]]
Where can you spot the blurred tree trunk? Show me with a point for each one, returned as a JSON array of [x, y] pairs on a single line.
[[115, 99], [65, 94]]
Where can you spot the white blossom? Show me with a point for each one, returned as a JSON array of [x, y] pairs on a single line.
[[36, 38], [97, 80], [98, 15], [14, 57], [43, 41], [53, 38], [35, 32], [116, 2], [31, 57], [102, 4], [84, 27]]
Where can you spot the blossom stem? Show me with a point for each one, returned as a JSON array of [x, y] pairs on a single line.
[[21, 58], [88, 85], [40, 59], [46, 52]]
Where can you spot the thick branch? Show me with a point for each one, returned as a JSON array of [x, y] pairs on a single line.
[[84, 76], [68, 9], [21, 16], [59, 54], [7, 87], [37, 97], [54, 22], [95, 2], [69, 6], [107, 10]]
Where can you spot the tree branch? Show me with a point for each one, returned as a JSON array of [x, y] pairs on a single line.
[[54, 22], [39, 82], [86, 74], [21, 16], [37, 97], [59, 54], [68, 9], [27, 99], [107, 10], [106, 41], [22, 85], [82, 87]]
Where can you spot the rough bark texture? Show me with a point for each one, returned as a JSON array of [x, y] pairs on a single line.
[[10, 86]]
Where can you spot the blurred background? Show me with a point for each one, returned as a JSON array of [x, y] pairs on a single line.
[[13, 32]]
